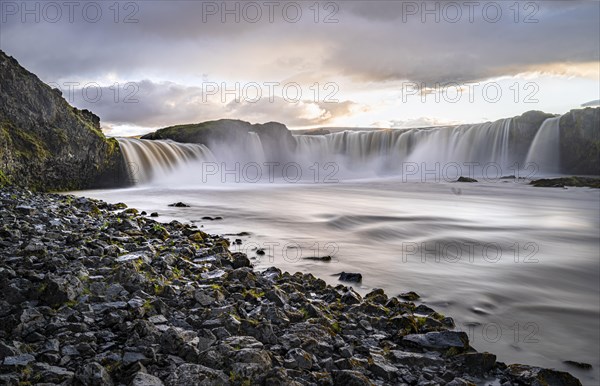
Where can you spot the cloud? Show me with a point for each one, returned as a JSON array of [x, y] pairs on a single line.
[[158, 104], [371, 45], [420, 122], [591, 103], [371, 42]]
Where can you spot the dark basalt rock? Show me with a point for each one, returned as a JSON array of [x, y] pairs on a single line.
[[466, 179], [351, 277], [538, 376], [318, 258], [180, 205], [411, 296], [46, 144], [579, 365]]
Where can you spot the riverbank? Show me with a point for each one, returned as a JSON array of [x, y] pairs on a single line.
[[95, 293]]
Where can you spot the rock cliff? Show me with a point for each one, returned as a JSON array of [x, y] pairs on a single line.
[[47, 144]]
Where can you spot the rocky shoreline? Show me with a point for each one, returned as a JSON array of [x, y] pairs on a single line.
[[93, 293]]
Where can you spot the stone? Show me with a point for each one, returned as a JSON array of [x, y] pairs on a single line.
[[350, 378], [466, 179], [477, 363], [407, 358], [350, 277], [382, 369], [18, 360], [180, 205], [143, 379], [297, 358], [59, 290], [444, 340], [93, 374], [410, 296], [539, 376], [192, 374]]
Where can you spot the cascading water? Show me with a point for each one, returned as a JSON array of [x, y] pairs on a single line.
[[385, 151], [465, 149], [148, 160], [545, 148]]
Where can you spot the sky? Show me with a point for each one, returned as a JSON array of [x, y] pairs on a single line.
[[145, 65]]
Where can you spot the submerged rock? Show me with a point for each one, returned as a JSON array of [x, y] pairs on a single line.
[[180, 205], [351, 277], [466, 179]]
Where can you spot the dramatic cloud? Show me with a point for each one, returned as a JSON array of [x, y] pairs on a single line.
[[358, 45]]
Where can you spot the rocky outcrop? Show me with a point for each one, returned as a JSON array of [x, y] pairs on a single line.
[[580, 141], [91, 294], [276, 139], [45, 143]]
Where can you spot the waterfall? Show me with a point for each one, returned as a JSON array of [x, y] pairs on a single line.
[[149, 160], [255, 148], [467, 150], [386, 150], [545, 148]]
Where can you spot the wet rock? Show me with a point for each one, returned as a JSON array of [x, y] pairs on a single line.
[[351, 297], [410, 296], [180, 205], [539, 376], [443, 341], [580, 365], [466, 179], [350, 277], [318, 258], [240, 260]]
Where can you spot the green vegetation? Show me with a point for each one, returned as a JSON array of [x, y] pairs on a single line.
[[590, 182], [25, 144], [4, 180]]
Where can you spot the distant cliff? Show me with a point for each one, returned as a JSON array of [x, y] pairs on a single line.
[[45, 143], [580, 141], [276, 139]]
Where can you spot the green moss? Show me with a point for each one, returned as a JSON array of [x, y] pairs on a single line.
[[453, 351], [335, 327], [24, 144], [254, 293], [4, 179]]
